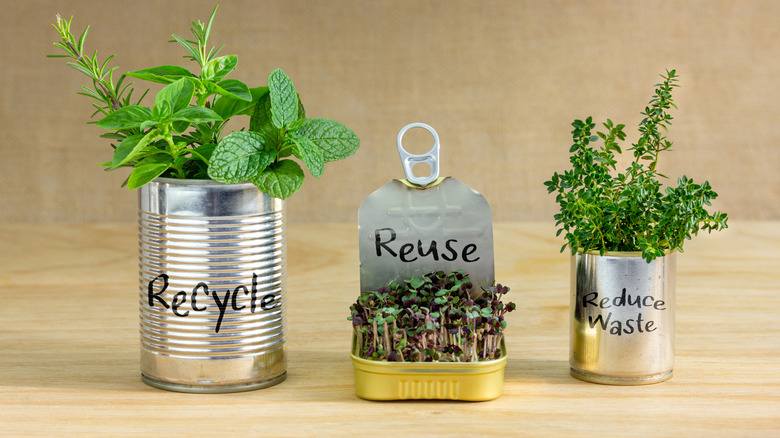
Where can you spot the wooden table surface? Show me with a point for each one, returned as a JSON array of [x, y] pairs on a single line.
[[69, 346]]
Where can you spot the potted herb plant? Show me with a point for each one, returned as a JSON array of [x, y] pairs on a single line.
[[624, 230], [211, 207], [432, 337]]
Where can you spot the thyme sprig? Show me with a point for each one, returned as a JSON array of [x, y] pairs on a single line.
[[435, 317], [630, 211]]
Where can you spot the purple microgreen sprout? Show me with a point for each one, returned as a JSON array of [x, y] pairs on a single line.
[[437, 317]]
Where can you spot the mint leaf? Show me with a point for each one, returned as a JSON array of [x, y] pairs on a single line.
[[175, 96], [240, 156], [284, 99], [308, 152], [196, 114], [131, 116], [145, 173], [218, 68], [261, 120], [334, 139], [164, 74], [280, 180]]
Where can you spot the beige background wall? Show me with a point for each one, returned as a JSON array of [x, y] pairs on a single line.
[[500, 81]]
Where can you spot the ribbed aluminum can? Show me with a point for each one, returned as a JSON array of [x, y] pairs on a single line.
[[212, 286], [622, 318]]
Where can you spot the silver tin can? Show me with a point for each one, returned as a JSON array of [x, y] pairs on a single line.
[[622, 318], [212, 289]]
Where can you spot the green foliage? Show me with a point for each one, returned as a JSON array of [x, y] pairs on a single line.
[[630, 211], [435, 317], [180, 136]]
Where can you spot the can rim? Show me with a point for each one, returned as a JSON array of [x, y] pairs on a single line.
[[620, 253], [197, 182]]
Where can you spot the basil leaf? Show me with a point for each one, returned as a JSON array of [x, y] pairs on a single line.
[[164, 74], [157, 158], [284, 99], [239, 156], [309, 153], [335, 140], [179, 126], [131, 146], [196, 114], [145, 173], [131, 116], [229, 87], [175, 96], [280, 180], [203, 152], [218, 68], [228, 106]]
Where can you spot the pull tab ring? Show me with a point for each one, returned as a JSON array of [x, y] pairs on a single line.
[[431, 158]]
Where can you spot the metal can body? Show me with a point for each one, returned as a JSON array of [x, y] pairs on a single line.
[[212, 272], [622, 318]]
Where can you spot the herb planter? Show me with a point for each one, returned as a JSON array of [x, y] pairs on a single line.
[[212, 286], [622, 318], [623, 230], [469, 381]]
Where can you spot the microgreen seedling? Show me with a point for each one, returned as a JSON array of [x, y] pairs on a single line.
[[437, 317]]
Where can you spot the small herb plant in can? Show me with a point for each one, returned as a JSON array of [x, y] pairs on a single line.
[[180, 135], [624, 230], [432, 337], [604, 210], [211, 206]]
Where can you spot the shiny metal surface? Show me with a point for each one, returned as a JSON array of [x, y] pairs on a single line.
[[406, 232], [212, 286], [622, 318]]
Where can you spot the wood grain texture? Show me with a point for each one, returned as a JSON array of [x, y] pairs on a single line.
[[69, 346]]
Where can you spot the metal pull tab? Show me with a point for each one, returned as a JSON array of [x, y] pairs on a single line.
[[431, 158]]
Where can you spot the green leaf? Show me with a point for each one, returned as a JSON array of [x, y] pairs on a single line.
[[280, 180], [229, 106], [308, 152], [157, 158], [145, 173], [230, 87], [204, 152], [239, 156], [216, 69], [334, 139], [284, 99], [131, 116], [180, 126], [261, 119], [175, 96], [164, 74], [196, 114], [131, 146]]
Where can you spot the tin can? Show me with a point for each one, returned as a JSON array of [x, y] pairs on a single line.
[[622, 318], [469, 381], [212, 271]]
